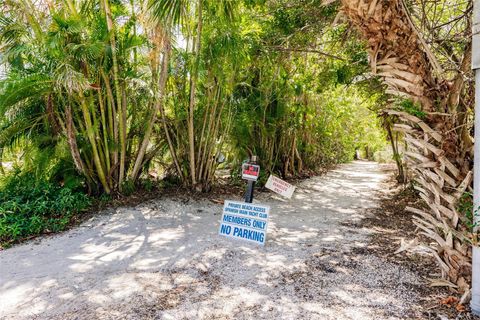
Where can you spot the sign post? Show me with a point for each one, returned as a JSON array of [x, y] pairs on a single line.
[[250, 172], [244, 220]]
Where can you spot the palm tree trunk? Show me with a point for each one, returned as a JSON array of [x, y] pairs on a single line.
[[399, 55]]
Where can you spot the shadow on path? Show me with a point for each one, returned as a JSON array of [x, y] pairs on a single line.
[[163, 259]]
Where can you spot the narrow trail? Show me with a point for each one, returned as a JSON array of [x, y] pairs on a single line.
[[163, 259]]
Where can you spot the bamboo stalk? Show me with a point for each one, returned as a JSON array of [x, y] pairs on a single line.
[[193, 83], [121, 109], [72, 142], [158, 106], [205, 115], [91, 138], [112, 120], [105, 130], [207, 141]]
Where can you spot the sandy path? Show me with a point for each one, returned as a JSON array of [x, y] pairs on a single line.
[[164, 260]]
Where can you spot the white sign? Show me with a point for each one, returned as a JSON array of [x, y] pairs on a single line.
[[244, 221], [250, 171], [279, 186]]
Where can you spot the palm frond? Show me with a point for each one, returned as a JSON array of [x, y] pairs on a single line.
[[169, 12], [18, 88], [67, 78]]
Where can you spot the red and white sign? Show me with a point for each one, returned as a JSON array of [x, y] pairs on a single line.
[[250, 171], [279, 186]]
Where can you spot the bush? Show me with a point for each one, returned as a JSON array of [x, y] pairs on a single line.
[[465, 208], [29, 207]]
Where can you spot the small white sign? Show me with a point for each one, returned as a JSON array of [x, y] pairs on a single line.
[[244, 221], [279, 186]]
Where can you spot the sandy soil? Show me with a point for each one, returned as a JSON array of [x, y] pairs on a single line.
[[163, 259]]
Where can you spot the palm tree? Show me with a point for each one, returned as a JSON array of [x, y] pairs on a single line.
[[69, 72], [401, 57], [178, 15]]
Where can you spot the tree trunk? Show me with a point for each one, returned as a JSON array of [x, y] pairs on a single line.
[[72, 143], [402, 178], [401, 58]]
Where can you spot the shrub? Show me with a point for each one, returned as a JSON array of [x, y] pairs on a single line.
[[29, 207]]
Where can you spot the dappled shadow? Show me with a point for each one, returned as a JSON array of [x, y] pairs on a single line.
[[164, 259]]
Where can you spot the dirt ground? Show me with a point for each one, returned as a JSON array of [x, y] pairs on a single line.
[[328, 255]]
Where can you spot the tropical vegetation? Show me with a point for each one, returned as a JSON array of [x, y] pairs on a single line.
[[98, 96], [104, 91]]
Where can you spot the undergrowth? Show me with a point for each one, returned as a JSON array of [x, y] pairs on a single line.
[[30, 207]]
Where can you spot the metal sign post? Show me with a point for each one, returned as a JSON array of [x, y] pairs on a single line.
[[475, 302], [249, 192], [250, 172]]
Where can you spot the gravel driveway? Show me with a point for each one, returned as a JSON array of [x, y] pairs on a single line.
[[163, 259]]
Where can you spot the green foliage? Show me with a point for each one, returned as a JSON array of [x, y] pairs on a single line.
[[87, 100], [148, 184], [412, 108], [29, 207], [128, 187], [465, 208], [299, 113]]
